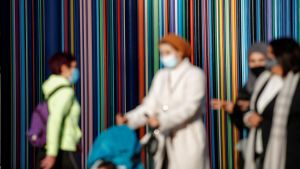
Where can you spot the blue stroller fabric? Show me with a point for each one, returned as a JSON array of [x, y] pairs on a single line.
[[119, 145]]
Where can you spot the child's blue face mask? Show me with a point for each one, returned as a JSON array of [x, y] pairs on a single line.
[[75, 76], [169, 61]]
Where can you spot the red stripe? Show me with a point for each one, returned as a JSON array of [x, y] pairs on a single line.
[[141, 50], [141, 61], [166, 17]]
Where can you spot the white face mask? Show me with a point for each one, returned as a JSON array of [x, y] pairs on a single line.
[[169, 61]]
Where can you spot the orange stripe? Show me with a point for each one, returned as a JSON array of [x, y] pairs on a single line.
[[222, 84], [192, 29], [234, 74]]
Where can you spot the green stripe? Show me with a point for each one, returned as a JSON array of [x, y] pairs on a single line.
[[156, 35]]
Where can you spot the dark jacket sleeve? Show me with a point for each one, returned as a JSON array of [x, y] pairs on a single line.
[[237, 115]]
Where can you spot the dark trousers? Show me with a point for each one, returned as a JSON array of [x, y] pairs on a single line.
[[165, 160], [64, 160], [241, 160]]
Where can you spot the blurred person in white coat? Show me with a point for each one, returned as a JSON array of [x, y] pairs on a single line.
[[175, 105]]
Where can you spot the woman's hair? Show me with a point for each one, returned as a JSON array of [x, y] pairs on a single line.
[[178, 43], [259, 47], [60, 59], [287, 53]]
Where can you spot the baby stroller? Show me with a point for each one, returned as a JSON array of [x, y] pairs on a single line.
[[119, 148]]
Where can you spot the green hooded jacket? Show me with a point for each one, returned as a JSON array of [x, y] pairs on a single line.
[[64, 137]]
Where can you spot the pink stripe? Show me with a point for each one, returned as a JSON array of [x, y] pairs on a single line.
[[85, 79], [66, 25], [82, 85]]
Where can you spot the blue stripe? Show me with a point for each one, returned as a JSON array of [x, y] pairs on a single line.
[[213, 139], [258, 15], [179, 15], [23, 84]]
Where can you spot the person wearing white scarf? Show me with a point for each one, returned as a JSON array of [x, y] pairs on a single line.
[[274, 153], [283, 146], [257, 58], [262, 103]]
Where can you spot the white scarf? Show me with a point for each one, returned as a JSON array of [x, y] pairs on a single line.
[[249, 157], [273, 85], [276, 149]]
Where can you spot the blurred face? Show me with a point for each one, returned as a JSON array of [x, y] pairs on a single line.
[[270, 53], [169, 56], [67, 71], [257, 59], [275, 68], [166, 50]]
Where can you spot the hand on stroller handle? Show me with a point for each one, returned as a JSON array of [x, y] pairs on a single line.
[[152, 121]]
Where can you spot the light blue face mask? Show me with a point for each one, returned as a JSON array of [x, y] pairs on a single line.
[[75, 76], [271, 63], [169, 61]]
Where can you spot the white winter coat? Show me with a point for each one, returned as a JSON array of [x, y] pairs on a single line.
[[177, 98]]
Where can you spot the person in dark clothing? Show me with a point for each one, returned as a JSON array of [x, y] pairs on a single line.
[[282, 150], [293, 134], [64, 159], [259, 117], [264, 101], [257, 60]]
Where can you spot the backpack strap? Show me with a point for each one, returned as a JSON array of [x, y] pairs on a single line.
[[56, 89]]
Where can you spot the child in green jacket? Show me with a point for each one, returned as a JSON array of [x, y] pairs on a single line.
[[63, 132]]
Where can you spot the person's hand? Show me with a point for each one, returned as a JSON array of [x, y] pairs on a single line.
[[153, 122], [120, 119], [218, 104], [48, 162], [221, 104], [243, 104], [229, 107], [254, 120]]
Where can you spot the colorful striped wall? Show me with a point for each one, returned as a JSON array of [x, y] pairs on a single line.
[[115, 43]]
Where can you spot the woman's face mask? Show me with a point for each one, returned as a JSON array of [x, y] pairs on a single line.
[[74, 76], [169, 61], [271, 63], [257, 70]]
